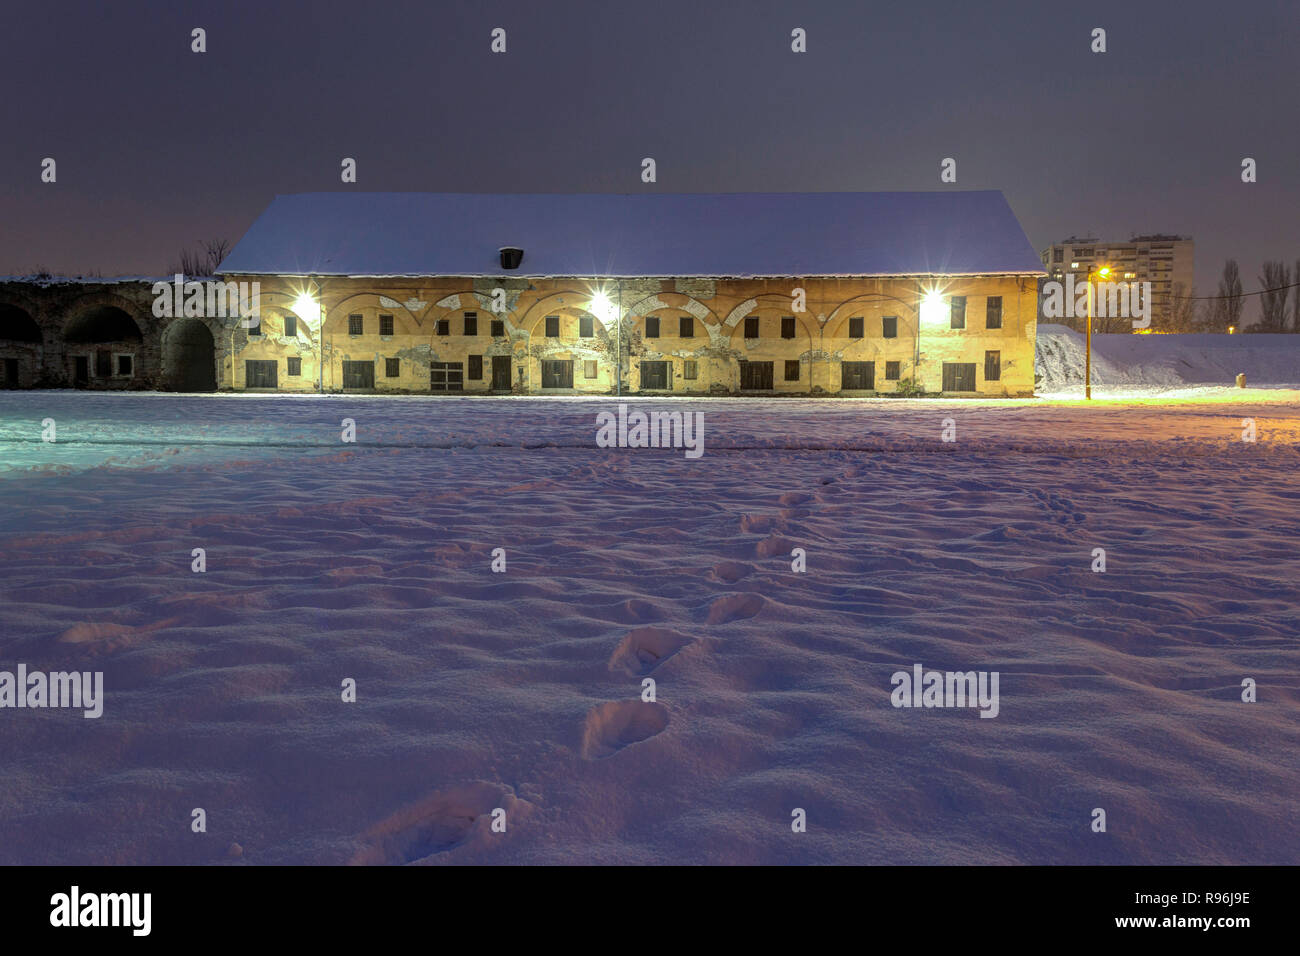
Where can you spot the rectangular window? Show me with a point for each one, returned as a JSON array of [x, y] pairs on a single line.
[[589, 368], [552, 326], [893, 370], [125, 364], [958, 312], [498, 328], [442, 327], [293, 365], [291, 326], [686, 327], [385, 325], [471, 324], [586, 326], [993, 314], [1058, 255], [392, 367], [992, 366], [855, 327], [792, 370], [889, 326], [652, 326], [355, 325], [751, 326], [690, 369], [475, 368], [787, 326]]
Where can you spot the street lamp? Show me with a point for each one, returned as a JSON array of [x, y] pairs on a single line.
[[1103, 273]]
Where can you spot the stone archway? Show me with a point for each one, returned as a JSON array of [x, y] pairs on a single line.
[[189, 357], [102, 323], [20, 347]]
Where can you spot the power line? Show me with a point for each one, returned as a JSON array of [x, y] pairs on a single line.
[[1239, 295]]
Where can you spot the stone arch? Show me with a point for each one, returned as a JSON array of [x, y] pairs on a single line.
[[336, 323], [836, 324], [772, 303], [21, 347], [873, 347], [189, 356], [571, 305], [97, 311], [17, 325], [636, 314], [483, 343], [102, 324]]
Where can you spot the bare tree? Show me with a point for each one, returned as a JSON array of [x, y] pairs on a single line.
[[1225, 311], [202, 263], [1272, 301], [216, 250], [1182, 309], [1295, 300]]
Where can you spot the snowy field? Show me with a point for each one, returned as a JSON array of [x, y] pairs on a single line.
[[1158, 363], [521, 690]]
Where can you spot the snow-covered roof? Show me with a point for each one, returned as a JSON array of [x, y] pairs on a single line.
[[638, 235]]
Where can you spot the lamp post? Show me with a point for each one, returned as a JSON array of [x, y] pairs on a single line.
[[1103, 273]]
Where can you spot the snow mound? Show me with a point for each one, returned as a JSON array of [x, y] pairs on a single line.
[[1165, 360]]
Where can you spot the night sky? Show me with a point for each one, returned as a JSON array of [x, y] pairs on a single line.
[[158, 147]]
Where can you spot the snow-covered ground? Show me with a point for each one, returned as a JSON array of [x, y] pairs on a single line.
[[1135, 364], [521, 690]]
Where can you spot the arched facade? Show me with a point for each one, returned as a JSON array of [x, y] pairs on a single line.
[[817, 336]]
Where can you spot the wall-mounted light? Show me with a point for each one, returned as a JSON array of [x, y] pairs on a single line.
[[307, 309], [933, 310]]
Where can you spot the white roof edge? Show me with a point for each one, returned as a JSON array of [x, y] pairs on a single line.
[[631, 278]]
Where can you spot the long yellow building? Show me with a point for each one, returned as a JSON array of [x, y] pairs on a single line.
[[851, 294]]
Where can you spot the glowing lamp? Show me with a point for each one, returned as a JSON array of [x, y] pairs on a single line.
[[932, 308], [307, 309], [602, 308]]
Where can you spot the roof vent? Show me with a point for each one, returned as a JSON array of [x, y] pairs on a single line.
[[511, 257]]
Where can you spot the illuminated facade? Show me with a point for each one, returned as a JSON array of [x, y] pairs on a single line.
[[707, 294]]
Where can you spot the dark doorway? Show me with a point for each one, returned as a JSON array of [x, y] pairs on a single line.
[[261, 373], [501, 373], [446, 376], [81, 370], [654, 375], [557, 373], [858, 375], [959, 376], [189, 357], [756, 376], [10, 370], [358, 374]]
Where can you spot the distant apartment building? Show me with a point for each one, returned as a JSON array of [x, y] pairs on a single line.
[[1164, 261]]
